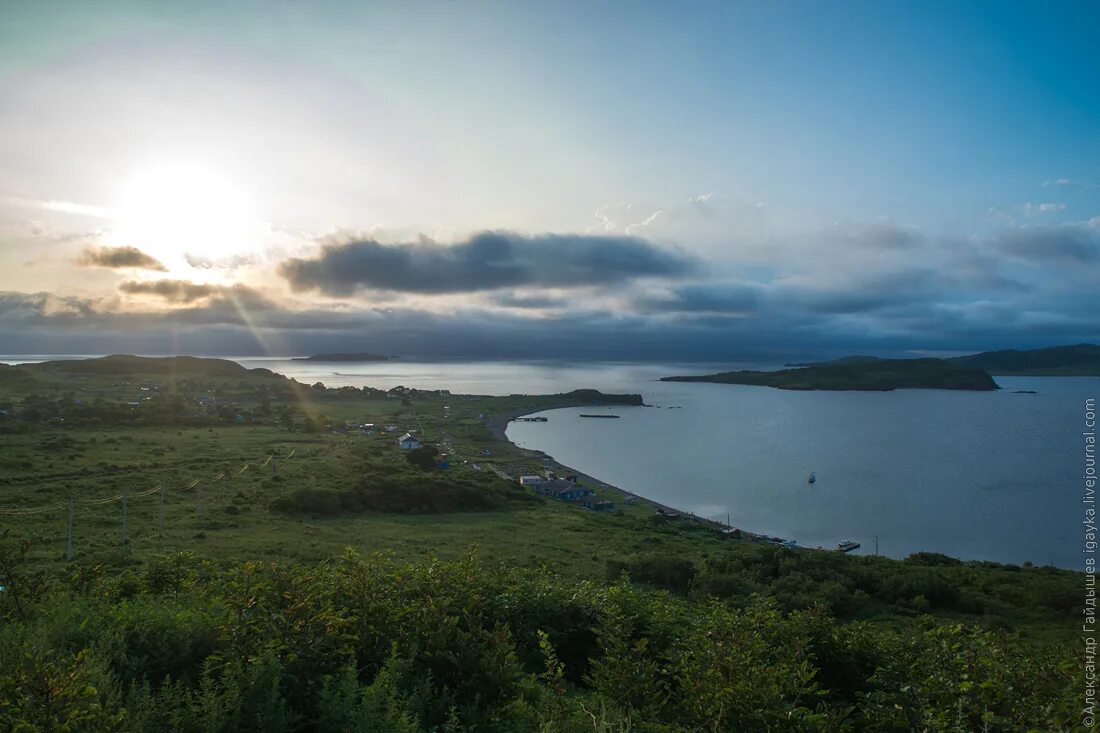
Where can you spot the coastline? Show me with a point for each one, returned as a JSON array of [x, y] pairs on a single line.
[[498, 425]]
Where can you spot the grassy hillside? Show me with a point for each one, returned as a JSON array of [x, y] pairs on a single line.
[[121, 364], [243, 612], [883, 374]]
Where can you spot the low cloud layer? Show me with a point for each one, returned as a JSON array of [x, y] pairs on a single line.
[[119, 258], [173, 291], [486, 261], [874, 287], [1069, 243]]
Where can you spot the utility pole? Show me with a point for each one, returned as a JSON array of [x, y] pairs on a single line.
[[876, 545], [198, 491], [160, 510], [274, 467], [124, 516], [69, 547]]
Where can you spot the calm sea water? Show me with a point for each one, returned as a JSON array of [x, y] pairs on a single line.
[[992, 476], [976, 475]]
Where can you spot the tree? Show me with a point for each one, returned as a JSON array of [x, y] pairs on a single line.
[[423, 457]]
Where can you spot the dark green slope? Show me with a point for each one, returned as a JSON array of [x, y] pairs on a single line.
[[1076, 360]]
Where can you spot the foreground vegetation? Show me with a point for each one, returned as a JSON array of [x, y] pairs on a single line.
[[373, 645], [236, 611]]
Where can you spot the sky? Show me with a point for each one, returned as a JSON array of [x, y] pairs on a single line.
[[692, 181]]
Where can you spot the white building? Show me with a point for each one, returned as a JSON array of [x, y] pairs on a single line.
[[408, 441]]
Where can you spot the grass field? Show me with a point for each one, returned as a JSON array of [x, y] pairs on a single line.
[[214, 510], [224, 448]]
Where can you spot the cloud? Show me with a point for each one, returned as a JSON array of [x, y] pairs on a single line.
[[729, 298], [1071, 243], [223, 263], [486, 261], [185, 292], [880, 235], [1069, 183], [118, 258], [699, 321], [1031, 209], [175, 291], [515, 300], [33, 307], [708, 217], [62, 207], [1028, 209]]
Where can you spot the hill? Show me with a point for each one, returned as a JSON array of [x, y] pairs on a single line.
[[343, 357], [1078, 360], [881, 375], [1064, 361], [280, 566], [125, 364]]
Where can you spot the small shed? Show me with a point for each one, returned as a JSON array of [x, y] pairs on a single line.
[[408, 441]]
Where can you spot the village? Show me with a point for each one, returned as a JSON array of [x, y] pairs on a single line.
[[547, 484]]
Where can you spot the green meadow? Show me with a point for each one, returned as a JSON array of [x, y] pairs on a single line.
[[246, 556]]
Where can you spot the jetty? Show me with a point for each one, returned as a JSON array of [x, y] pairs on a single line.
[[606, 417]]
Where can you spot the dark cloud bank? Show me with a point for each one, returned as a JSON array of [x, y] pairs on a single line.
[[486, 261], [1023, 288], [119, 258], [238, 321]]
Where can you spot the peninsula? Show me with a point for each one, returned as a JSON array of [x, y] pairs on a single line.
[[1077, 360], [874, 376]]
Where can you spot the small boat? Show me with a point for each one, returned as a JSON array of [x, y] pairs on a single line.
[[847, 546], [812, 478]]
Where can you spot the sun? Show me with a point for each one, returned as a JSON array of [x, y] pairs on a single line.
[[178, 208]]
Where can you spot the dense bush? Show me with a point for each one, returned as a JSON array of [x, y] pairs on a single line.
[[407, 491], [373, 645]]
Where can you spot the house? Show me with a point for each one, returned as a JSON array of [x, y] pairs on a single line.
[[597, 504], [562, 490], [443, 462], [408, 441], [532, 480]]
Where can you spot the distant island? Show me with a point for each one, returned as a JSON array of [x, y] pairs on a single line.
[[1078, 360], [342, 357], [876, 375]]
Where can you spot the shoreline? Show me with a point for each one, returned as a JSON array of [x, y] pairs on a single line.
[[498, 425]]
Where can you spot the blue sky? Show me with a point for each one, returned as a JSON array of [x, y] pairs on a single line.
[[803, 161]]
